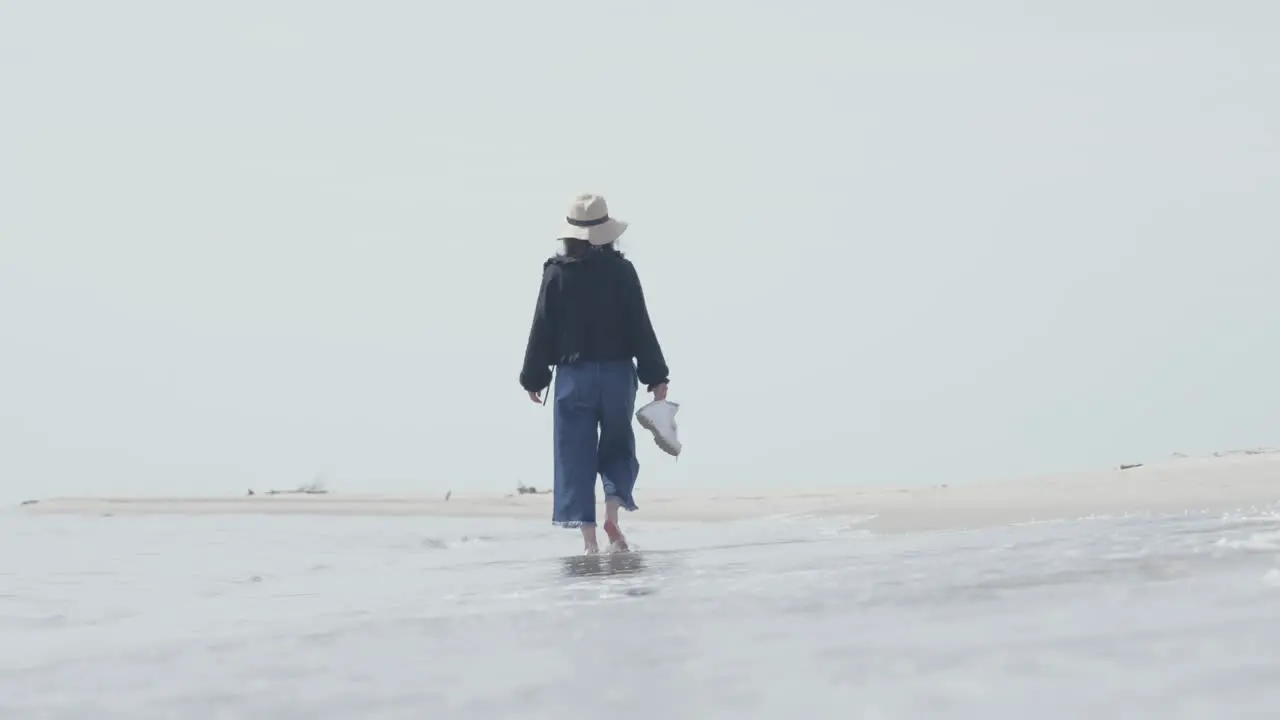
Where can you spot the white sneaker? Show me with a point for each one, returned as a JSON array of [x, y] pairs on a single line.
[[659, 418]]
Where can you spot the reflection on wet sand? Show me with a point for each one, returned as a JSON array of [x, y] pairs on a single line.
[[626, 563]]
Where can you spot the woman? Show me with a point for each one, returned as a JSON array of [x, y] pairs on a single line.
[[590, 323]]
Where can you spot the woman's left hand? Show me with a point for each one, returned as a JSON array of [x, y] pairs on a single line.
[[534, 397]]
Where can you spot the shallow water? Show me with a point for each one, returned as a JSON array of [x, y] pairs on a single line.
[[343, 618]]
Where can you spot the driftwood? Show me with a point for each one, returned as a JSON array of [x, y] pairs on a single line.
[[312, 488], [1128, 467]]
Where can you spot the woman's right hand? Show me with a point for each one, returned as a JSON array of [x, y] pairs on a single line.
[[660, 392]]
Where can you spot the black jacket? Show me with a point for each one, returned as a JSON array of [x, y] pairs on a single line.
[[591, 308]]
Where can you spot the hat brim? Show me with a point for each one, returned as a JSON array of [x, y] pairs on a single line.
[[601, 234]]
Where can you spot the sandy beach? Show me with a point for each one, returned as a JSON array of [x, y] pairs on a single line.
[[1230, 481]]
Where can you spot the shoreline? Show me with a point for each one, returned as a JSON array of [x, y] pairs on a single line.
[[1215, 484]]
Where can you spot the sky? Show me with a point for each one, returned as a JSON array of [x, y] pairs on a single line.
[[246, 243]]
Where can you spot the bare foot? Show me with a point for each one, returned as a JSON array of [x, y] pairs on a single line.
[[589, 545], [617, 541]]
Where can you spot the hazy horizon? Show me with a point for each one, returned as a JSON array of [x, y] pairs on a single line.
[[242, 244]]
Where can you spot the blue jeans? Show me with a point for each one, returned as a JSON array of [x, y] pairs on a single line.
[[594, 406]]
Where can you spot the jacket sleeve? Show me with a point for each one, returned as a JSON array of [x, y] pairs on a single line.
[[651, 366], [535, 375]]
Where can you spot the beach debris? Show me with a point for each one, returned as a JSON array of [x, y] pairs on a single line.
[[250, 493], [448, 495], [29, 502], [315, 487], [1247, 451], [530, 490], [1130, 466]]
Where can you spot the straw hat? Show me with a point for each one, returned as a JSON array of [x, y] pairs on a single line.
[[588, 219]]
